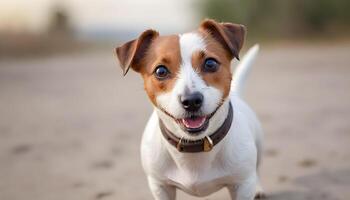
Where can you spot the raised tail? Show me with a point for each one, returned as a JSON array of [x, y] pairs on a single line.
[[243, 69]]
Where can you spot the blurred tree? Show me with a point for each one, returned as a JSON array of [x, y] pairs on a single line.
[[293, 18], [59, 24]]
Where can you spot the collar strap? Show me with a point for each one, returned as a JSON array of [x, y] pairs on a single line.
[[203, 145]]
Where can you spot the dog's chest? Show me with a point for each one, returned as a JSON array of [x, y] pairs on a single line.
[[199, 176], [199, 184]]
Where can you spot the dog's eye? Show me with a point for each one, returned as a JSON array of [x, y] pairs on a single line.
[[210, 65], [161, 72]]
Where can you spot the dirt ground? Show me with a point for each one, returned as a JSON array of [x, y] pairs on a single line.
[[70, 126]]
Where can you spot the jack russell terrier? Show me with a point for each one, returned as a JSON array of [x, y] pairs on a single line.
[[201, 136]]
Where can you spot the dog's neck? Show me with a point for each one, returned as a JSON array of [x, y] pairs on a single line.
[[215, 122]]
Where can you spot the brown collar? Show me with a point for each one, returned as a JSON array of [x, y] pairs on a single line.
[[205, 144]]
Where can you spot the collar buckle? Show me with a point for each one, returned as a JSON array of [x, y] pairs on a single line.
[[179, 145], [207, 144]]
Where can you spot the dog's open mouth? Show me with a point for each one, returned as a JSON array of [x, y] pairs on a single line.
[[194, 124]]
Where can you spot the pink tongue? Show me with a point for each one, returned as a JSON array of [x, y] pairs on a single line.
[[193, 122]]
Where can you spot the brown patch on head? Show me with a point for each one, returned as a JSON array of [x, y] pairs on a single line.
[[165, 51], [221, 79], [223, 43]]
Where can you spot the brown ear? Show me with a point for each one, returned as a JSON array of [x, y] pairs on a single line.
[[131, 53], [231, 36]]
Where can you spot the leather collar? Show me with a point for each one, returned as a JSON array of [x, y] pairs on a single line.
[[202, 145]]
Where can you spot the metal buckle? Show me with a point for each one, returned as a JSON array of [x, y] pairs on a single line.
[[178, 146], [207, 144]]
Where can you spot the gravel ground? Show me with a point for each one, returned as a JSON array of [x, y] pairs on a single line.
[[70, 126]]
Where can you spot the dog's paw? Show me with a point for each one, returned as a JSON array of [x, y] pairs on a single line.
[[260, 195]]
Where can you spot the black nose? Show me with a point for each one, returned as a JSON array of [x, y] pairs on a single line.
[[192, 102]]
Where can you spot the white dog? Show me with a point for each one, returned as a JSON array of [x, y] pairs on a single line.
[[201, 136]]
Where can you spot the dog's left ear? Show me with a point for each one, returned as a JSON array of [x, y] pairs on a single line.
[[131, 53], [231, 36]]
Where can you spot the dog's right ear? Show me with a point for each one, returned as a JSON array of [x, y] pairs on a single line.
[[131, 53]]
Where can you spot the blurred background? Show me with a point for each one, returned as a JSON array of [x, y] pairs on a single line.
[[70, 124]]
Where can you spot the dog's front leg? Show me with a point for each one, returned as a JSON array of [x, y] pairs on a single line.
[[245, 190], [160, 190]]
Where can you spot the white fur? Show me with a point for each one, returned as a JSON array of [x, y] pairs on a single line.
[[232, 163]]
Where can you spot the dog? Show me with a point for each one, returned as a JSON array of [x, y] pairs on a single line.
[[201, 136]]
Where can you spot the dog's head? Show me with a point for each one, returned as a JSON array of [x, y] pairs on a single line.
[[188, 76]]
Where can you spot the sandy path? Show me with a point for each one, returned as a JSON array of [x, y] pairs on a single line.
[[70, 126]]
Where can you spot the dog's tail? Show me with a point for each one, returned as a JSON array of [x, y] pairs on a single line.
[[243, 69]]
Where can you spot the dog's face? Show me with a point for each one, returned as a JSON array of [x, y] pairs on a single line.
[[186, 76]]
